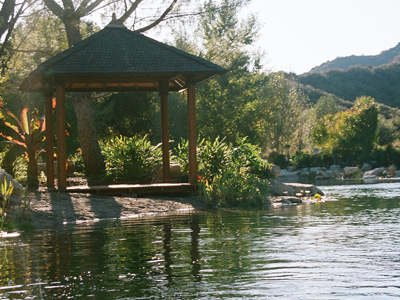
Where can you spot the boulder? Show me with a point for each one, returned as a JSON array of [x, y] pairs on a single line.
[[303, 188], [278, 188], [370, 179], [391, 171], [323, 175], [366, 167], [286, 176], [291, 168], [351, 171], [18, 188], [275, 171], [174, 171], [375, 172], [335, 168]]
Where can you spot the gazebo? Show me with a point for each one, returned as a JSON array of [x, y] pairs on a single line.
[[117, 59]]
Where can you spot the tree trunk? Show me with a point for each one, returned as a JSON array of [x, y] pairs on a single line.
[[32, 172], [87, 133], [94, 162]]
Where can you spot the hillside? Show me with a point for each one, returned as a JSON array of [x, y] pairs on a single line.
[[381, 83], [344, 63]]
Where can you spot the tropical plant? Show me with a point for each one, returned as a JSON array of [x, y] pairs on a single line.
[[131, 158], [26, 136], [229, 175], [7, 189]]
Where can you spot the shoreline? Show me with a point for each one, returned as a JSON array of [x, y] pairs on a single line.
[[49, 210]]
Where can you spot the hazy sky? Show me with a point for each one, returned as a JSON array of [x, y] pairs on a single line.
[[298, 35]]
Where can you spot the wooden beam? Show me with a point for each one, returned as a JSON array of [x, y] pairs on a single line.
[[48, 101], [61, 139], [192, 136], [163, 89]]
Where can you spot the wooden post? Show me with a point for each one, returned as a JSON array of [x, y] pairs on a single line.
[[48, 98], [163, 88], [192, 138], [61, 139]]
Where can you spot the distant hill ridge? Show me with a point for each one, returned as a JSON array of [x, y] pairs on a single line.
[[385, 57]]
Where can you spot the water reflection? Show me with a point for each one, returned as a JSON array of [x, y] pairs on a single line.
[[348, 248]]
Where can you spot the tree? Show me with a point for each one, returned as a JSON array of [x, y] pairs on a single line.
[[71, 14], [325, 105], [350, 135], [10, 13]]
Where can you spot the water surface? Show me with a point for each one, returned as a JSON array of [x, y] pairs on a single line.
[[340, 249]]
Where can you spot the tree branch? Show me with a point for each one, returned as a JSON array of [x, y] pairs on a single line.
[[127, 14], [5, 13], [55, 8], [160, 19], [88, 9]]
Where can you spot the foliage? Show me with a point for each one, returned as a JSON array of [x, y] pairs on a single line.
[[381, 83], [229, 175], [350, 134], [325, 105], [386, 156], [7, 189], [306, 160], [281, 117], [26, 135], [130, 158]]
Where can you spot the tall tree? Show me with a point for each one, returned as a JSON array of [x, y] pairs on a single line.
[[10, 12], [71, 13]]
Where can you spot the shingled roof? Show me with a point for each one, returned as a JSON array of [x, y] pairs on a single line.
[[115, 59]]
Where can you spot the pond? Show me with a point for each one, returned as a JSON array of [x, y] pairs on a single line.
[[345, 248]]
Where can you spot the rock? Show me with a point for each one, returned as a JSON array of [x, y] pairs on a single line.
[[366, 167], [322, 175], [391, 171], [291, 168], [275, 170], [18, 188], [278, 188], [302, 188], [336, 168], [175, 173], [370, 179], [375, 172], [351, 171], [286, 200], [286, 176]]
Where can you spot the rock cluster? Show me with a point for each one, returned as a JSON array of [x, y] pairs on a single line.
[[317, 174]]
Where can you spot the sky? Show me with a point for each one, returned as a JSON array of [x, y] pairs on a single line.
[[297, 35]]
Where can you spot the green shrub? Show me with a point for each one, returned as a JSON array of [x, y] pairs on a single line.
[[385, 156], [131, 158], [228, 175]]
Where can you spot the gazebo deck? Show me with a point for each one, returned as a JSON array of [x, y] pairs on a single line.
[[118, 189]]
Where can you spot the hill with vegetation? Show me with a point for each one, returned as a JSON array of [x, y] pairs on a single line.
[[381, 83], [344, 63]]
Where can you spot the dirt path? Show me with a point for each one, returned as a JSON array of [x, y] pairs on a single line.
[[53, 209]]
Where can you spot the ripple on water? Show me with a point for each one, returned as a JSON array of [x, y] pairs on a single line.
[[349, 248]]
